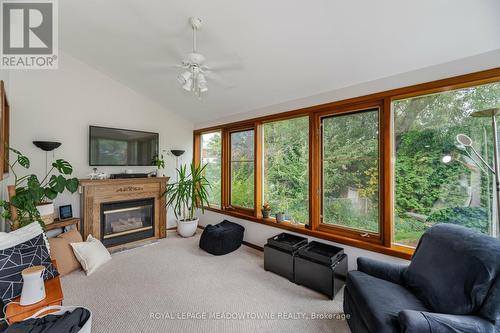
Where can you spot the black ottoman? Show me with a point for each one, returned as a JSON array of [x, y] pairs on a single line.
[[221, 238]]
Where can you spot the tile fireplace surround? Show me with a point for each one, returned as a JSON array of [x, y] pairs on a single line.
[[99, 194]]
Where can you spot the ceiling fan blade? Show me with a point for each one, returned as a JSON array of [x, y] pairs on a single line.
[[162, 66], [228, 63], [219, 80]]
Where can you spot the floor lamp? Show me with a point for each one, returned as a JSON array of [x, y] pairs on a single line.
[[177, 154], [466, 142], [47, 146]]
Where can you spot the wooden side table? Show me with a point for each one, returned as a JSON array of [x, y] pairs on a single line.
[[54, 296], [63, 223]]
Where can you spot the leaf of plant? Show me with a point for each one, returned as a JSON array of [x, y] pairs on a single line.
[[50, 193], [15, 151], [23, 161], [53, 181], [72, 185], [63, 166], [60, 184], [36, 194], [33, 182]]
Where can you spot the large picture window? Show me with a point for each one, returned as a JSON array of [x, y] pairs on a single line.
[[211, 156], [438, 180], [374, 171], [242, 169], [350, 170], [286, 168]]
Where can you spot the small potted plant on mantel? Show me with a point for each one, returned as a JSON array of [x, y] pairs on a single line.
[[159, 163], [30, 196], [186, 196]]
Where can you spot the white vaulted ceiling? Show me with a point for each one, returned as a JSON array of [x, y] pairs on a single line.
[[289, 48]]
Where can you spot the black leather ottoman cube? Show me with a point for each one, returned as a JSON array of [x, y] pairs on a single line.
[[222, 238], [279, 254], [321, 267]]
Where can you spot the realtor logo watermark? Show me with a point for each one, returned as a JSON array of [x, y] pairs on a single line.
[[29, 34]]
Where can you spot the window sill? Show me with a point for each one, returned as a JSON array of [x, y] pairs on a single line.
[[395, 251]]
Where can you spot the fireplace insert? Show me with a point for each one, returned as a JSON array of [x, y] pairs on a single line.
[[127, 221]]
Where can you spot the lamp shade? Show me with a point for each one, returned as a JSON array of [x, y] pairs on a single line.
[[47, 145], [177, 152]]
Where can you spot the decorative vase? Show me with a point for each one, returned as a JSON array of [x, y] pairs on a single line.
[[187, 228], [280, 217], [265, 214]]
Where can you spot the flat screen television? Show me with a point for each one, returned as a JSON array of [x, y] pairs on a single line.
[[121, 147]]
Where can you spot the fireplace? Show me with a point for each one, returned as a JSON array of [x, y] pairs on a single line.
[[127, 221], [102, 195]]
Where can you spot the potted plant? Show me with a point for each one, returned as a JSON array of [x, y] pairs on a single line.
[[266, 210], [280, 217], [159, 163], [185, 196], [31, 196], [281, 213]]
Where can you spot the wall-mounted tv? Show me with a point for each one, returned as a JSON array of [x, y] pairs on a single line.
[[121, 147]]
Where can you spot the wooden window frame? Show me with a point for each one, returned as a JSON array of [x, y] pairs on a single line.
[[370, 237], [230, 206], [198, 152], [261, 166], [383, 100]]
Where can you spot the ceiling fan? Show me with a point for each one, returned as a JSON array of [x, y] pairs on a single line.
[[195, 72]]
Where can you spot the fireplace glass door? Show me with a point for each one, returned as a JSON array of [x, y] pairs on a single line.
[[127, 221]]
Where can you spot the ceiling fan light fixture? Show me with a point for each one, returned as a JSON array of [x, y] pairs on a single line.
[[188, 85], [202, 83], [184, 77]]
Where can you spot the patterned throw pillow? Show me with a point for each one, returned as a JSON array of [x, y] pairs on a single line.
[[14, 259]]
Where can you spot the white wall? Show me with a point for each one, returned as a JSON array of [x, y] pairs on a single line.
[[258, 234], [59, 105]]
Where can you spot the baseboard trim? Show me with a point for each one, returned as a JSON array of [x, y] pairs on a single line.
[[253, 246]]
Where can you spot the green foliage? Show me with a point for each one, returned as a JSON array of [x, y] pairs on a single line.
[[471, 217], [351, 170], [286, 162], [211, 157], [31, 191], [189, 193], [421, 176], [429, 191], [242, 184], [158, 162]]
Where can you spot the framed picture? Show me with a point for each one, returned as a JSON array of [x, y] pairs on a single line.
[[65, 212], [4, 131]]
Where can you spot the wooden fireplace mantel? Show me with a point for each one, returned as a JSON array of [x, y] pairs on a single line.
[[96, 192]]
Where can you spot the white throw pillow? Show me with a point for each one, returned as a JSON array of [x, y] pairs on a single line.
[[91, 254], [21, 235]]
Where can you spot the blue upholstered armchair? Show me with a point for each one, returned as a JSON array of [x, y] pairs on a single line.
[[451, 285]]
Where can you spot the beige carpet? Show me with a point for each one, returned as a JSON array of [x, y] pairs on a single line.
[[173, 286]]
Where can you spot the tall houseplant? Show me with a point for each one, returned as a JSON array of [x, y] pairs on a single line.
[[30, 191], [185, 196]]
